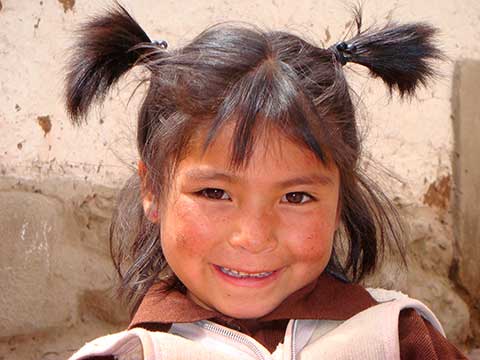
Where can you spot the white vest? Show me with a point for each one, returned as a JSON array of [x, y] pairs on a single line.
[[371, 335]]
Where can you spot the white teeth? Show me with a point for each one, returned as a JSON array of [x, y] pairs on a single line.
[[242, 275]]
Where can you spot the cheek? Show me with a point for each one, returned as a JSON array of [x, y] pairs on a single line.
[[187, 231], [312, 241]]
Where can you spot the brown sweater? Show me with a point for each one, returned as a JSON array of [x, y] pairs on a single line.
[[326, 298]]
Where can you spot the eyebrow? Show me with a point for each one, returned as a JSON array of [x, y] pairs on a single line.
[[208, 175]]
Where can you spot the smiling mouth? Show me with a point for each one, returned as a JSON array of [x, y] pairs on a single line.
[[244, 275]]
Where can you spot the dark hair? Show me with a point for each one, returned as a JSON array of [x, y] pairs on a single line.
[[257, 80]]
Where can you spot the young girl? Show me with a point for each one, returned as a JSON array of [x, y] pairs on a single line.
[[249, 224]]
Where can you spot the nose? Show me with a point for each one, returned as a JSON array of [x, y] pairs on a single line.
[[255, 232]]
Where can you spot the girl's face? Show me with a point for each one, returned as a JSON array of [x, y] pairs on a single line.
[[242, 241]]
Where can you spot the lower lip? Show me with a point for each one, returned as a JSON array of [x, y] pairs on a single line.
[[248, 282]]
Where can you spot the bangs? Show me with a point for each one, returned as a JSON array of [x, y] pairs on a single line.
[[263, 100]]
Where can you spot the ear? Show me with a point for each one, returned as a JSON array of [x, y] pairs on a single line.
[[150, 205]]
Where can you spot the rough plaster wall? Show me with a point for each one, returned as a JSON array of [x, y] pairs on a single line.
[[47, 163], [35, 35]]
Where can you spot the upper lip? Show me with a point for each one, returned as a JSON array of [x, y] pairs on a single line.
[[246, 271]]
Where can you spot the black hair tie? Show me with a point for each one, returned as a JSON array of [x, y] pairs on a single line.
[[160, 43], [344, 51]]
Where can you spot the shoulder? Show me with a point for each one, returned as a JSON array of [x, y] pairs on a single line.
[[419, 339], [394, 302], [420, 333], [397, 326]]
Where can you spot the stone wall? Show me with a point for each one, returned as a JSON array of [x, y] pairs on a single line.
[[58, 183], [57, 276]]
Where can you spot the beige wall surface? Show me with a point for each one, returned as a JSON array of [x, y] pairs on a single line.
[[414, 139], [58, 182]]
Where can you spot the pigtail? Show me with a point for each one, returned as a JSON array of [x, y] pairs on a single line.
[[108, 46], [401, 55]]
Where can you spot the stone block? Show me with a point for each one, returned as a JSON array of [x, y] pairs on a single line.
[[50, 277], [31, 227], [93, 212], [430, 241], [438, 294]]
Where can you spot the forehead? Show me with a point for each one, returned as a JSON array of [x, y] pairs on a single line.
[[273, 154]]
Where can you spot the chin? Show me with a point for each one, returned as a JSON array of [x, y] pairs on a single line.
[[244, 311]]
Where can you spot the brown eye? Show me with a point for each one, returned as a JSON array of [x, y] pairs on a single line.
[[215, 194], [296, 198]]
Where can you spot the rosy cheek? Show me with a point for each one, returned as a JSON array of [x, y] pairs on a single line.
[[187, 244], [311, 248], [191, 229], [313, 243]]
